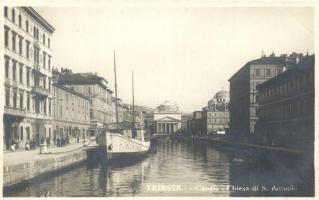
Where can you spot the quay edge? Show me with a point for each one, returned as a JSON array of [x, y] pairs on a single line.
[[20, 174]]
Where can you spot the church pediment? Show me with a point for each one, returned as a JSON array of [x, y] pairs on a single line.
[[167, 119]]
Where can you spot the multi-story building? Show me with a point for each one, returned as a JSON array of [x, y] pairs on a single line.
[[286, 107], [71, 113], [27, 72], [243, 90], [95, 88], [216, 115]]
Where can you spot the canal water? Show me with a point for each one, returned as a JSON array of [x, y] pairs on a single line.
[[178, 168]]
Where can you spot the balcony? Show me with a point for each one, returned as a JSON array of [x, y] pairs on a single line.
[[40, 92], [15, 111]]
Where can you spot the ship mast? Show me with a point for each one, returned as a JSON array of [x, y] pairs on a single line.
[[133, 111], [116, 99]]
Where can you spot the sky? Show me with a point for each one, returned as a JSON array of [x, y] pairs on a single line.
[[179, 54]]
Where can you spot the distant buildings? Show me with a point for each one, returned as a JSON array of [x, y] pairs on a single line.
[[243, 89], [71, 114], [198, 125], [214, 118], [27, 72], [95, 88], [286, 107], [167, 119], [186, 123]]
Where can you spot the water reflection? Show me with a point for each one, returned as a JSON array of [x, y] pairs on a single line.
[[176, 169]]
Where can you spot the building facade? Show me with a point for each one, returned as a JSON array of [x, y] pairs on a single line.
[[95, 88], [286, 107], [216, 116], [28, 76], [243, 89], [71, 114], [167, 119]]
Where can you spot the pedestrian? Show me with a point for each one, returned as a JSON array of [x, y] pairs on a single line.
[[27, 145], [58, 141], [62, 141], [67, 139], [48, 141]]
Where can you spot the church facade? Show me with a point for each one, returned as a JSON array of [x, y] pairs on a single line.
[[167, 119]]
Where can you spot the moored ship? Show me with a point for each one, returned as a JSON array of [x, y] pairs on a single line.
[[124, 141]]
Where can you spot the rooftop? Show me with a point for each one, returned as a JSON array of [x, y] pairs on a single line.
[[307, 64], [82, 78], [39, 18], [273, 60], [70, 90]]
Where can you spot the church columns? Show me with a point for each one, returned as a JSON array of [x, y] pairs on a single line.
[[167, 128]]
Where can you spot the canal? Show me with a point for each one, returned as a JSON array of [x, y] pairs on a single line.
[[178, 168]]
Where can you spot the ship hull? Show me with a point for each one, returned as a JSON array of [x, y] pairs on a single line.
[[126, 155], [119, 147]]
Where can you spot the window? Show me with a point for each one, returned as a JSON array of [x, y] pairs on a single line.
[[20, 44], [21, 133], [49, 84], [49, 62], [34, 32], [28, 77], [7, 97], [6, 36], [44, 59], [45, 107], [7, 62], [257, 72], [6, 11], [49, 42], [13, 15], [37, 105], [21, 100], [43, 38], [21, 73], [27, 26], [28, 102], [49, 107], [14, 99], [268, 72], [44, 83], [27, 48], [14, 34], [14, 70], [20, 21], [36, 55]]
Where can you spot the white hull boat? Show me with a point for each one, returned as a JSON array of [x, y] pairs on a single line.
[[122, 144]]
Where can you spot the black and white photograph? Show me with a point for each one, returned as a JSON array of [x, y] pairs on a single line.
[[151, 99]]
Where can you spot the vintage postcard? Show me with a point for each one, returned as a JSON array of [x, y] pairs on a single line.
[[150, 99]]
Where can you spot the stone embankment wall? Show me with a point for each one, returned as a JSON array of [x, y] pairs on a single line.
[[20, 173]]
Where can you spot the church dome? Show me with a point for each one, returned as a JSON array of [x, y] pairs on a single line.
[[167, 107], [222, 96]]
